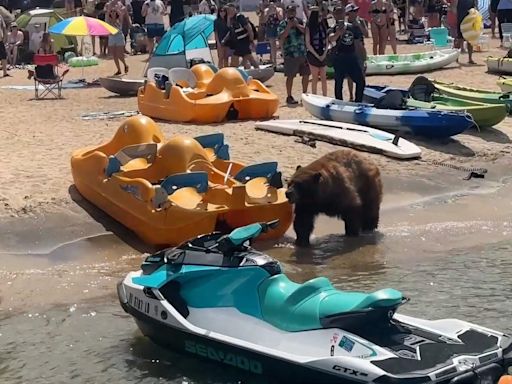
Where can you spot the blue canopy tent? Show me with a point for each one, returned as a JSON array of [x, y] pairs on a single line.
[[186, 40]]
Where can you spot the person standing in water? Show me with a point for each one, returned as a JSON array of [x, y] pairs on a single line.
[[115, 13]]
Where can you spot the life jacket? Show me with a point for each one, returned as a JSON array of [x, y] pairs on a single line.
[[240, 31]]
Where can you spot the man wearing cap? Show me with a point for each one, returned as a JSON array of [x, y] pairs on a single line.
[[351, 12], [293, 46], [346, 38]]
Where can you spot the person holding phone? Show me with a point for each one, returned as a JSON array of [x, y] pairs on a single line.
[[291, 35], [273, 16], [346, 37]]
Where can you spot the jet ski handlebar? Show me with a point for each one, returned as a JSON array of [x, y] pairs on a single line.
[[235, 241]]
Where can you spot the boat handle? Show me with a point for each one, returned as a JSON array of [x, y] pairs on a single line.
[[389, 66]]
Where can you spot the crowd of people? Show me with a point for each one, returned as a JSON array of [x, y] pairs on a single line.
[[310, 38]]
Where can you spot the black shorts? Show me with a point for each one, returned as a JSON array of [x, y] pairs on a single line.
[[242, 47], [494, 6], [3, 52], [313, 60]]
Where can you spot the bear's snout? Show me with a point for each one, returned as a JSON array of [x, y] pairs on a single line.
[[290, 195]]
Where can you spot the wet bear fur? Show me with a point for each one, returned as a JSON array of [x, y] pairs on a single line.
[[342, 184]]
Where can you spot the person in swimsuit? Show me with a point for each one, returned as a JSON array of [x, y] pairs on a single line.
[[379, 26], [273, 17], [46, 46], [14, 41], [316, 39], [116, 13], [391, 12]]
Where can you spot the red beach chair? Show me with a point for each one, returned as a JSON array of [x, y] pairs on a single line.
[[47, 74]]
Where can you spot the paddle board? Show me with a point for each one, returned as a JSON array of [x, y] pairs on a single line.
[[344, 134]]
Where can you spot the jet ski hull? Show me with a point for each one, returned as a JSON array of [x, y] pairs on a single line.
[[390, 358]]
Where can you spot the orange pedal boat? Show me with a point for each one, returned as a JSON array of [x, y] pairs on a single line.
[[205, 96], [170, 191]]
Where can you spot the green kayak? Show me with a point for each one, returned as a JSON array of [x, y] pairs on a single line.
[[474, 94], [484, 115]]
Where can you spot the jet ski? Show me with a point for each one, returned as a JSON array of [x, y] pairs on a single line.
[[218, 298]]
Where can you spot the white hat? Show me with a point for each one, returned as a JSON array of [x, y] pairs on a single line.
[[351, 7]]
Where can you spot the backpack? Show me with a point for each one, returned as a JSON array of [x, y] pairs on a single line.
[[422, 89]]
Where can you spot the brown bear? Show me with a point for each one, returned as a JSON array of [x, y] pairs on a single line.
[[341, 184]]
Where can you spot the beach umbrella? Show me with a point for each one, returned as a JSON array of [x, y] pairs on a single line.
[[83, 26]]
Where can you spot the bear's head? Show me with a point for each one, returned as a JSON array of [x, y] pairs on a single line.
[[303, 186]]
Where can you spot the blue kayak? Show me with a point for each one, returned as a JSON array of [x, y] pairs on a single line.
[[416, 121]]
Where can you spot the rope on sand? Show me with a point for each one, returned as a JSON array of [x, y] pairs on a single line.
[[478, 173]]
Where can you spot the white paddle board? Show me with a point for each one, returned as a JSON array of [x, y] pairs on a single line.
[[347, 135]]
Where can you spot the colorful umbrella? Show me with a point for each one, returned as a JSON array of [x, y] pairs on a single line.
[[83, 26]]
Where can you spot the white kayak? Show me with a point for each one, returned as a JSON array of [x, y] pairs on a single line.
[[121, 86], [263, 73], [347, 135], [410, 63], [499, 65]]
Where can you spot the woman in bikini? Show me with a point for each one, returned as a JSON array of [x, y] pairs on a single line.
[[46, 46], [391, 13], [379, 25], [115, 15]]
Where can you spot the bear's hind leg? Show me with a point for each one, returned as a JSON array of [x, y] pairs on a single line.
[[371, 216], [353, 222], [303, 225]]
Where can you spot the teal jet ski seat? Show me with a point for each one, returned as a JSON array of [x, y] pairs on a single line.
[[296, 307]]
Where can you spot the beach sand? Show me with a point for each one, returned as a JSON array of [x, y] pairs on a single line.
[[38, 136]]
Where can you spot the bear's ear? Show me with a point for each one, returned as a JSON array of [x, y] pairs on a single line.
[[316, 177], [298, 167]]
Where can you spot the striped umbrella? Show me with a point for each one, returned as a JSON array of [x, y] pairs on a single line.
[[83, 26]]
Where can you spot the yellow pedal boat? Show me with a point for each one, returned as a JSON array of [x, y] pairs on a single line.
[[205, 96], [170, 191]]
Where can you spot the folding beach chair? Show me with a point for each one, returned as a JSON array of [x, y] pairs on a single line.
[[47, 74], [262, 48]]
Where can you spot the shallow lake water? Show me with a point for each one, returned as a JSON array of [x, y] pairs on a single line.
[[60, 320]]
